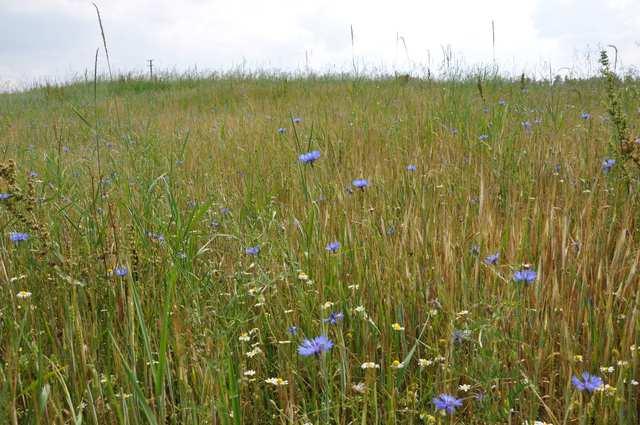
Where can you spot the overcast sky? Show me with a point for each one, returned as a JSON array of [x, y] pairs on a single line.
[[56, 39]]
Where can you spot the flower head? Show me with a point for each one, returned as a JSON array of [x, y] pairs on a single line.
[[297, 120], [156, 237], [17, 237], [334, 318], [447, 402], [120, 271], [252, 250], [585, 116], [397, 327], [492, 259], [333, 247], [293, 330], [282, 130], [525, 275], [411, 167], [309, 157], [483, 137], [460, 335], [23, 295], [608, 164], [277, 381], [360, 183], [315, 347], [589, 382], [502, 102], [5, 196]]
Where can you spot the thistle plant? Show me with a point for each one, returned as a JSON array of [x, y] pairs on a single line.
[[626, 147]]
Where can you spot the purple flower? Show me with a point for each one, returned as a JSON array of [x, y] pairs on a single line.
[[5, 196], [17, 237], [483, 137], [525, 275], [65, 149], [282, 130], [334, 318], [297, 120], [120, 271], [309, 157], [252, 250], [502, 102], [608, 164], [411, 167], [589, 383], [360, 183], [447, 402], [156, 237], [33, 174], [315, 347], [333, 247], [492, 259], [585, 116], [460, 335], [225, 211], [293, 330], [527, 125]]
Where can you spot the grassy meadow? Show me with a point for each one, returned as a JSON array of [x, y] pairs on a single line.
[[164, 252]]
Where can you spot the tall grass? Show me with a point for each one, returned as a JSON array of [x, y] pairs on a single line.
[[194, 171]]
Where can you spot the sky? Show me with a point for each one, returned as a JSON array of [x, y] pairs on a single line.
[[56, 40]]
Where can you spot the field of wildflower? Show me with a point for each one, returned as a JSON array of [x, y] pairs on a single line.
[[264, 250]]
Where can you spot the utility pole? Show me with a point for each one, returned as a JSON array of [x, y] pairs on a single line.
[[150, 62]]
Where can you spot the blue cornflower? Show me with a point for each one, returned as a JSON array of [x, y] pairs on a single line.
[[474, 250], [315, 347], [17, 237], [334, 318], [120, 271], [282, 130], [527, 125], [333, 247], [293, 330], [447, 402], [585, 116], [502, 102], [156, 237], [492, 259], [460, 335], [608, 164], [525, 275], [65, 149], [252, 250], [360, 183], [411, 167], [225, 211], [483, 137], [33, 174], [589, 383], [309, 157], [485, 109], [5, 196], [297, 120]]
